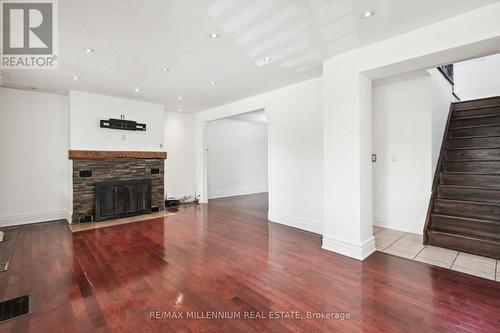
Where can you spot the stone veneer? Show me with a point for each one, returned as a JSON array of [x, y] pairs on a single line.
[[104, 170]]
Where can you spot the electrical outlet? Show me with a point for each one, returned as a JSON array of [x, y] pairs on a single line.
[[124, 137], [394, 157]]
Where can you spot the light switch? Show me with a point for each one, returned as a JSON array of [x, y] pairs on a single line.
[[374, 158], [394, 157], [124, 137]]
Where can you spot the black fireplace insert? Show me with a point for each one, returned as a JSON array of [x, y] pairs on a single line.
[[124, 198]]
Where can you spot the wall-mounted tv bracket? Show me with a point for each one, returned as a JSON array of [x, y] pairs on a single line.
[[121, 124]]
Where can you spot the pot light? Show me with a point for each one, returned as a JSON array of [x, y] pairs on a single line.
[[268, 59], [213, 83], [76, 78], [214, 35], [89, 50], [179, 98], [137, 90], [165, 69], [367, 14], [179, 110]]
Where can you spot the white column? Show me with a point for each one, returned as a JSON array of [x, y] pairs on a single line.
[[347, 159]]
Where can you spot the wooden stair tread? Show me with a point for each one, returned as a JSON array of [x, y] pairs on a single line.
[[466, 236], [469, 202], [474, 126], [471, 187], [471, 219], [473, 160], [475, 117], [469, 173], [471, 148]]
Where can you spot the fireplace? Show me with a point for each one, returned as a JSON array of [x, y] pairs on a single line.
[[115, 184], [116, 199]]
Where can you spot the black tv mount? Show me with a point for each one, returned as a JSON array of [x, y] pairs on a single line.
[[122, 124]]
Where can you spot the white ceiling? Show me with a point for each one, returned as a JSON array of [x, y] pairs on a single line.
[[253, 117], [134, 39]]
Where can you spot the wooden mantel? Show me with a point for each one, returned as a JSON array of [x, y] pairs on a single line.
[[115, 155]]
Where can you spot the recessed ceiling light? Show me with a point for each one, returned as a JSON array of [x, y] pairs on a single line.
[[76, 78], [137, 90], [213, 83], [367, 14], [180, 110], [165, 69], [214, 35], [179, 98], [268, 59], [89, 50]]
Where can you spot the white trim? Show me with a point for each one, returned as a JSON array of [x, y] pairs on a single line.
[[296, 222], [413, 227], [356, 251], [233, 193], [20, 219]]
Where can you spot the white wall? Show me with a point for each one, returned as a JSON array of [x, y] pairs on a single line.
[[179, 144], [409, 118], [88, 109], [402, 141], [294, 116], [478, 78], [237, 158], [34, 163]]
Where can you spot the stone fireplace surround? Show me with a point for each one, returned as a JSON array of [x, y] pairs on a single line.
[[115, 166]]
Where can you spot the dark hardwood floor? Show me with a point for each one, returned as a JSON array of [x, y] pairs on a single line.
[[226, 256]]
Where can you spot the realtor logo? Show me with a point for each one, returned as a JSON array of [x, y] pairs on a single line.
[[29, 34]]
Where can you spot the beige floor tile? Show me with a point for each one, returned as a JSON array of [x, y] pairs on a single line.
[[475, 265], [433, 261], [437, 256], [386, 237], [410, 245], [404, 254]]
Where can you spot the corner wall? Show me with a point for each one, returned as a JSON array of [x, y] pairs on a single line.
[[34, 170], [294, 116]]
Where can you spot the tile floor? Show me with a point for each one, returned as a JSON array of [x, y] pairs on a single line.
[[410, 246]]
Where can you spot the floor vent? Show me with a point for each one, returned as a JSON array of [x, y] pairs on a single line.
[[14, 308], [4, 266]]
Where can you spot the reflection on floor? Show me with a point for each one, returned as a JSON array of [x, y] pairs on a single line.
[[410, 246]]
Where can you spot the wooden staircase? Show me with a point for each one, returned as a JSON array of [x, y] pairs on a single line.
[[464, 210]]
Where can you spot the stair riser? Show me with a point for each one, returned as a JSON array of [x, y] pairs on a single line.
[[477, 104], [471, 180], [470, 245], [469, 227], [475, 131], [473, 154], [475, 167], [475, 142], [476, 112], [468, 209], [495, 120], [469, 194]]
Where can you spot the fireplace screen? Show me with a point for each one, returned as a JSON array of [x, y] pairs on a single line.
[[116, 199]]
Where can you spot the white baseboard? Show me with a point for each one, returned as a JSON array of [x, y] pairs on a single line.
[[296, 222], [357, 251], [232, 193], [20, 219], [400, 225]]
